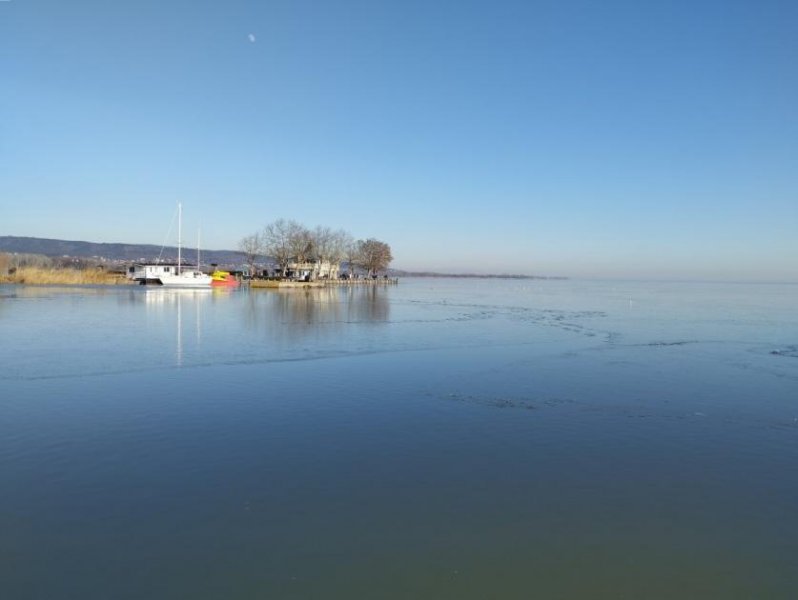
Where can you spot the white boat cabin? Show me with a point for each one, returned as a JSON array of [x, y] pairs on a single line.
[[144, 273]]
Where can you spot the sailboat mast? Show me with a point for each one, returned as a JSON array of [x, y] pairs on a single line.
[[179, 234], [198, 246]]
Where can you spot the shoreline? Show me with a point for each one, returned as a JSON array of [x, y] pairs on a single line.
[[278, 284]]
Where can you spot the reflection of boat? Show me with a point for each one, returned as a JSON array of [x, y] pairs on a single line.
[[170, 304], [223, 279], [189, 278]]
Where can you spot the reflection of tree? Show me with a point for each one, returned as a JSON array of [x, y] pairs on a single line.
[[368, 303], [295, 313], [307, 306]]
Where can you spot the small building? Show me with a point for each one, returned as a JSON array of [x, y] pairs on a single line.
[[311, 270]]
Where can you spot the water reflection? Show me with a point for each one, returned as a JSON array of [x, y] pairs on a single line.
[[204, 326], [369, 303], [103, 330], [295, 312], [442, 435], [174, 299], [9, 291]]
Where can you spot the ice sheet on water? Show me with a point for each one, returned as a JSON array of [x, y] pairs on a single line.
[[791, 351]]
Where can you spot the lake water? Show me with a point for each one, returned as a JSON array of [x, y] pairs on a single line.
[[435, 439]]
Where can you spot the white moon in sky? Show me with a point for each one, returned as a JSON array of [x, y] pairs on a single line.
[[251, 37]]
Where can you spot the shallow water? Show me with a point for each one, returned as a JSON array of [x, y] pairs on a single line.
[[435, 439]]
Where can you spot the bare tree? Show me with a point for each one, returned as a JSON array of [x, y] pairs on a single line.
[[280, 241], [301, 243], [251, 246], [31, 260], [351, 252], [287, 242], [374, 255], [338, 244], [322, 240], [329, 249]]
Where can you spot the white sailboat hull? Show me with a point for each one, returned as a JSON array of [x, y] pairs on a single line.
[[187, 279]]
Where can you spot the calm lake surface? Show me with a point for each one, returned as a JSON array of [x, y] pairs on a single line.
[[435, 439]]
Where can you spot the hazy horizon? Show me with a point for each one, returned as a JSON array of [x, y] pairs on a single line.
[[547, 138], [642, 276]]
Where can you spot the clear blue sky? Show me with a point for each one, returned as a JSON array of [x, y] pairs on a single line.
[[632, 139]]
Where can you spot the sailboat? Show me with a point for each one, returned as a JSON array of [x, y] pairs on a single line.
[[184, 278]]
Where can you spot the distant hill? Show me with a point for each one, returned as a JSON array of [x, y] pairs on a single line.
[[109, 252], [127, 253], [400, 273]]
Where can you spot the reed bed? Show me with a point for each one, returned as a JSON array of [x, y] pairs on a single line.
[[44, 276]]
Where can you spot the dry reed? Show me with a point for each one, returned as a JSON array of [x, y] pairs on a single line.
[[41, 276]]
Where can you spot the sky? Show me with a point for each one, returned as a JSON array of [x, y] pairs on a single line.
[[576, 138]]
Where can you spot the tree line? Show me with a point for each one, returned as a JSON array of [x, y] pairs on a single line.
[[288, 242]]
